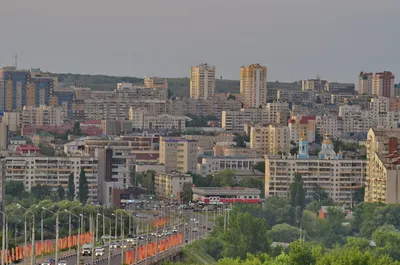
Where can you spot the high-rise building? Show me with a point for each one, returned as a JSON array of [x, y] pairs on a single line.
[[178, 154], [202, 81], [365, 83], [315, 85], [3, 136], [42, 116], [13, 84], [270, 139], [383, 84], [253, 85], [382, 180], [170, 185], [155, 82]]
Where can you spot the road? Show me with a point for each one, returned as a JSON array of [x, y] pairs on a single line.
[[193, 231]]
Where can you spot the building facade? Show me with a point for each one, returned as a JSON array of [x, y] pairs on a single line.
[[253, 85], [42, 116], [315, 85], [155, 82], [178, 154], [170, 185], [337, 176], [302, 126], [383, 84], [383, 170], [365, 83], [202, 82], [270, 139]]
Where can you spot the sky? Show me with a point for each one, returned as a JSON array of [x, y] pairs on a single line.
[[295, 39]]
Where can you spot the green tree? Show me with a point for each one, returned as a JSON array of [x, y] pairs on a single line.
[[245, 234], [83, 192], [61, 192], [224, 178], [301, 254], [297, 192], [187, 193], [71, 187], [41, 191], [284, 233], [260, 166], [387, 239], [14, 188], [77, 128]]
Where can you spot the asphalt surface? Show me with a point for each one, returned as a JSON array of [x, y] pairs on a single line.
[[194, 223]]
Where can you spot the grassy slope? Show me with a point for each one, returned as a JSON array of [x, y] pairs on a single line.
[[179, 86]]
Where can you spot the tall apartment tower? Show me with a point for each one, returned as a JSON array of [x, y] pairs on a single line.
[[202, 82], [383, 84], [253, 85], [365, 83]]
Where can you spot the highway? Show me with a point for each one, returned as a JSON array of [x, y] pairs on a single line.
[[194, 223]]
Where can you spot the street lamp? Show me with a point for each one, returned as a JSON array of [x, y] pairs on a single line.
[[122, 234], [5, 237], [57, 232], [109, 243], [79, 234]]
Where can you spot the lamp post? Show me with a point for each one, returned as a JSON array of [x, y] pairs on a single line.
[[109, 243], [6, 232], [57, 231], [79, 235], [3, 239], [122, 235]]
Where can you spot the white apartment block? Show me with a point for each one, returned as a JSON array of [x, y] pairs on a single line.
[[234, 121], [42, 116], [144, 120], [178, 154], [302, 127], [328, 124], [379, 107], [365, 83], [253, 85], [202, 82], [354, 119], [346, 110], [212, 164], [170, 185], [52, 171], [337, 176], [270, 139]]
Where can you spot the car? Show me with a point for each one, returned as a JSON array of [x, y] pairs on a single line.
[[86, 251], [113, 245], [45, 263], [62, 262], [99, 252], [130, 240], [153, 233], [174, 231], [123, 245], [141, 237], [195, 230], [160, 235]]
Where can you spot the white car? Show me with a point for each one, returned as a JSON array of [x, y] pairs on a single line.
[[99, 252], [62, 262], [113, 245]]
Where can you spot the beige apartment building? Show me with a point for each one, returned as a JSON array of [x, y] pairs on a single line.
[[313, 85], [170, 185], [155, 82], [253, 85], [202, 82], [383, 167], [178, 154], [337, 176], [142, 119], [42, 116], [302, 126], [270, 139]]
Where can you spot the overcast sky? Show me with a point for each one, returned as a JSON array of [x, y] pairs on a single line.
[[294, 38]]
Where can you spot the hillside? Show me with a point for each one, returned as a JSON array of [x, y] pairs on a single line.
[[178, 86]]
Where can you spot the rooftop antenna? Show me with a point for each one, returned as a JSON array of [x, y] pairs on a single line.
[[16, 61]]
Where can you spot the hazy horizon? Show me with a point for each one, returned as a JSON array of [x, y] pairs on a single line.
[[294, 39]]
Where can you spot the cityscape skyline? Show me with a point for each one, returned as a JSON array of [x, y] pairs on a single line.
[[285, 40]]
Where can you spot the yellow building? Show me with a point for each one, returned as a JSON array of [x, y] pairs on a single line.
[[253, 85], [270, 139], [202, 82], [178, 154], [170, 185], [155, 82], [383, 168]]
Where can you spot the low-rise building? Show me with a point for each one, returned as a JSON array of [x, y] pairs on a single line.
[[15, 142], [214, 195], [209, 165], [170, 185], [337, 176], [142, 119]]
